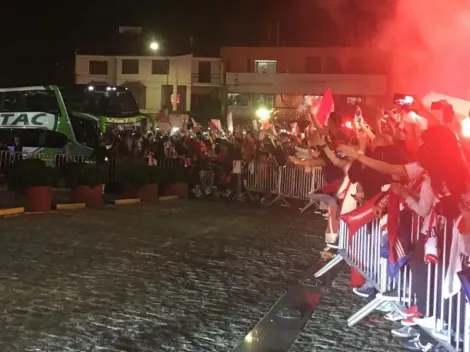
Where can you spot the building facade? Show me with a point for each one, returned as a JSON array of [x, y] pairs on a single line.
[[279, 77], [157, 82]]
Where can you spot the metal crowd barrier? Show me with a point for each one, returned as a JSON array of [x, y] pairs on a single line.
[[284, 182], [449, 317], [52, 160]]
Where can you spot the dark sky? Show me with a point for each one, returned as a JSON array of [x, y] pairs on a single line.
[[40, 38]]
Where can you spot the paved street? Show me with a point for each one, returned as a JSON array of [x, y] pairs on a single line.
[[178, 276]]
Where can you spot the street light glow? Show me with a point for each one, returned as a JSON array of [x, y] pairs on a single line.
[[154, 46], [262, 113]]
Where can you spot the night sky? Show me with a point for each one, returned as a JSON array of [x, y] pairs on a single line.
[[40, 38]]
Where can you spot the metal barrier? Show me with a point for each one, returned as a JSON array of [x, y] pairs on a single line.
[[284, 182], [52, 160], [448, 318]]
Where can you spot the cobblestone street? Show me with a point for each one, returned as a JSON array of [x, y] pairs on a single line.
[[177, 276]]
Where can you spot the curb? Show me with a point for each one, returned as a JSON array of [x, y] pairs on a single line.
[[11, 211], [126, 201], [162, 199], [68, 206], [77, 206]]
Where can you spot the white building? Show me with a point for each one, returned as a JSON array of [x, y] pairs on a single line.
[[279, 77], [156, 81]]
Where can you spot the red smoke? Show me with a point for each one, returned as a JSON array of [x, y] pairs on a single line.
[[428, 41]]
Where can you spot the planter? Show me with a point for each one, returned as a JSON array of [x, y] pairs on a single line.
[[130, 191], [148, 193], [91, 196], [37, 199], [180, 189]]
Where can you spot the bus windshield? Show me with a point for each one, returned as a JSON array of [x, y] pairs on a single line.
[[100, 100], [29, 100]]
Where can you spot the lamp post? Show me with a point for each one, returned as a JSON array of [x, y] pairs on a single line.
[[154, 46]]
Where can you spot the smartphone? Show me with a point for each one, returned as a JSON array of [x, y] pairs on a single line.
[[403, 99]]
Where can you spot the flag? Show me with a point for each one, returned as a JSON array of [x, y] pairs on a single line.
[[215, 125], [327, 106]]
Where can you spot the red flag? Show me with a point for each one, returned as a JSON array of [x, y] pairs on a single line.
[[327, 105], [215, 125]]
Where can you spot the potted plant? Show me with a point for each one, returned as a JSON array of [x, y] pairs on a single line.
[[31, 179], [85, 182], [179, 184], [140, 180]]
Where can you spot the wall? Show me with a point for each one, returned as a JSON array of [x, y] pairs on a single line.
[[316, 84], [293, 59], [179, 74]]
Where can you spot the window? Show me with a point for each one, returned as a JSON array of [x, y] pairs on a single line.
[[160, 67], [264, 100], [313, 65], [333, 65], [355, 65], [236, 99], [86, 130], [354, 100], [33, 137], [29, 101], [130, 67], [204, 74], [115, 103], [265, 66], [98, 67]]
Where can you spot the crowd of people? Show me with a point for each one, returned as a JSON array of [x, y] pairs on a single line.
[[409, 164], [406, 159]]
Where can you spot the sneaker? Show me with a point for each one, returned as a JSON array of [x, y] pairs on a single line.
[[365, 290], [415, 345], [406, 332], [394, 315], [411, 311], [411, 320]]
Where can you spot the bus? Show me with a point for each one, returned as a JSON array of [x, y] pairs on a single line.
[[113, 106], [38, 117]]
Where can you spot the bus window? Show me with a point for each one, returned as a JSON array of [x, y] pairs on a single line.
[[101, 101], [33, 137], [29, 101], [86, 130]]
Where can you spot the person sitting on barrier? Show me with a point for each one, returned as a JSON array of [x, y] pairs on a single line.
[[333, 175]]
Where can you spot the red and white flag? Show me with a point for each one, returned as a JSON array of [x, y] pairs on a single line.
[[325, 108], [215, 125]]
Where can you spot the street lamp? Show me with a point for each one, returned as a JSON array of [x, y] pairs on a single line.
[[263, 113], [154, 46]]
